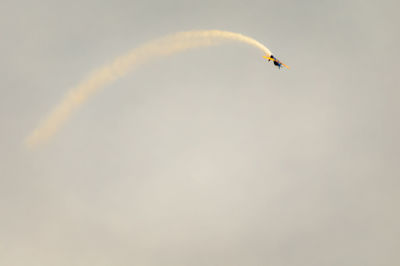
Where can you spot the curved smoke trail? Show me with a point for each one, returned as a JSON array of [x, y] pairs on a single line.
[[162, 47]]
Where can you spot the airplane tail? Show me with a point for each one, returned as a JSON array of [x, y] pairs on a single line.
[[267, 57]]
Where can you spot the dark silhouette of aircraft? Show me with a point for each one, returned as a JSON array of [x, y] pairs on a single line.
[[276, 61]]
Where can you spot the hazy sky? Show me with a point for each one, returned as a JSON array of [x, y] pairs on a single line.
[[208, 157]]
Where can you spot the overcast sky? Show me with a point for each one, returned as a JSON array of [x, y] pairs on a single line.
[[208, 157]]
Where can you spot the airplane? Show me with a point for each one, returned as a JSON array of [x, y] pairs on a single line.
[[276, 61]]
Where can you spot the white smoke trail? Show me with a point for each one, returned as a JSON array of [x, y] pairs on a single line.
[[162, 47]]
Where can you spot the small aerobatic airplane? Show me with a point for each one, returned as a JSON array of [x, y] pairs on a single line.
[[276, 61]]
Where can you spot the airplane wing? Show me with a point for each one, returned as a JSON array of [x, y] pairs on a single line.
[[285, 65]]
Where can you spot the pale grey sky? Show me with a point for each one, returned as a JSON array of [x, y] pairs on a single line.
[[209, 157]]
